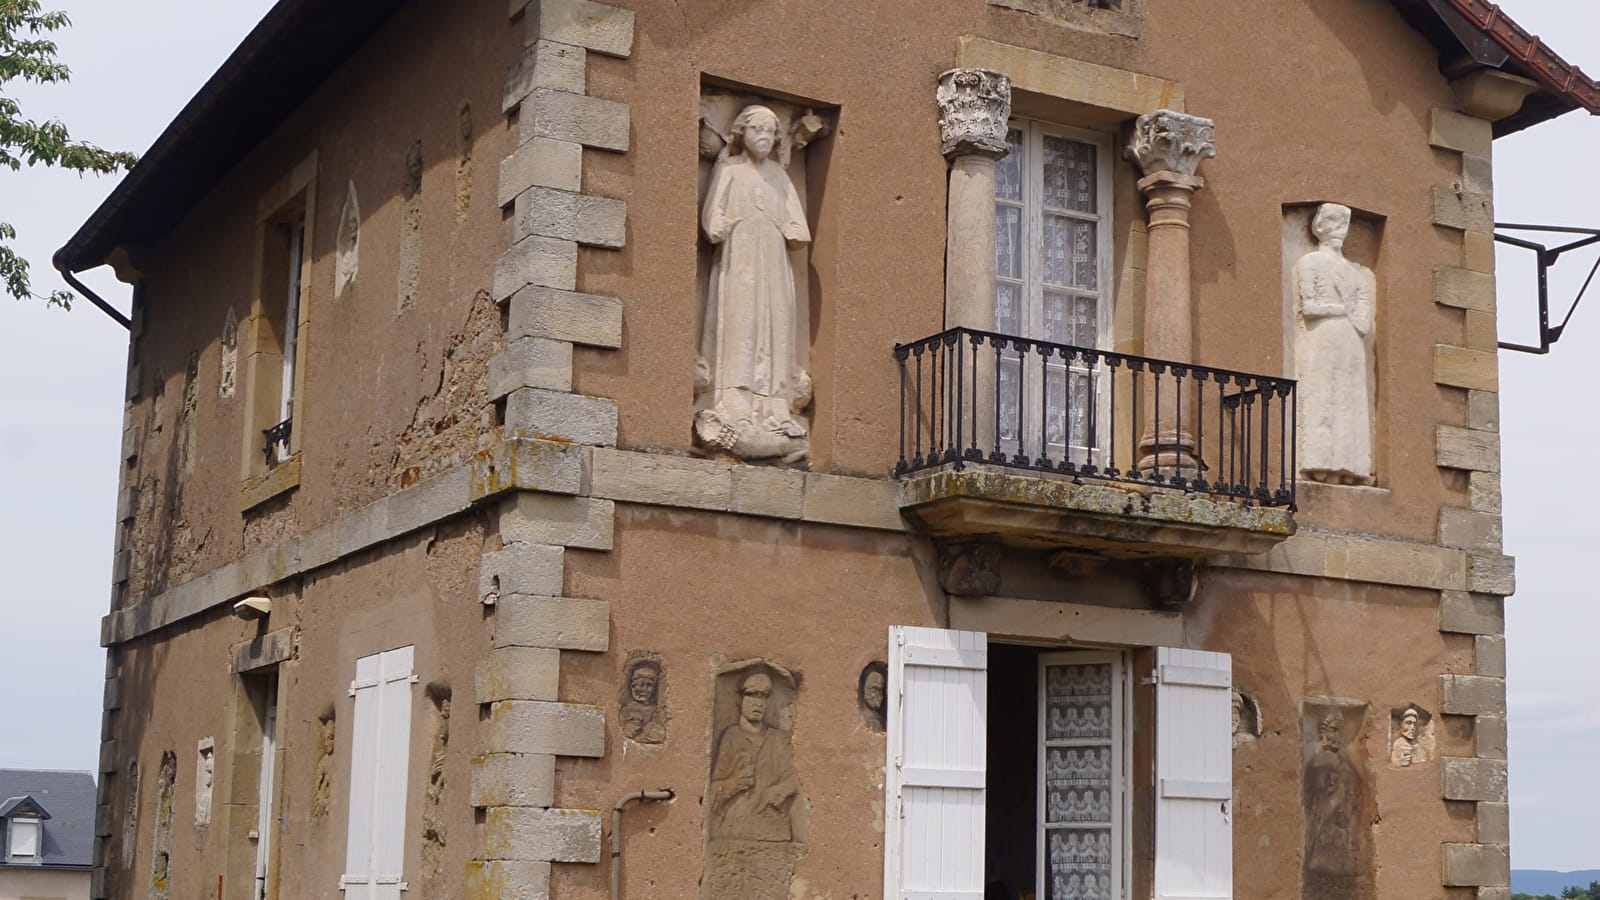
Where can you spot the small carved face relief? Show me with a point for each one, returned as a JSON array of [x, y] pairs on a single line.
[[1331, 224], [1329, 732], [753, 694], [642, 685], [1408, 725], [872, 691]]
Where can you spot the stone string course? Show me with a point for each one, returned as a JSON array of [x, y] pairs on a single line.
[[1477, 607]]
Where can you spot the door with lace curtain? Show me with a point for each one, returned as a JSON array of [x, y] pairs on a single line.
[[1052, 266]]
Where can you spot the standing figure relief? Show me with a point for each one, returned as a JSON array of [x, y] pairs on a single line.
[[1335, 301], [750, 385]]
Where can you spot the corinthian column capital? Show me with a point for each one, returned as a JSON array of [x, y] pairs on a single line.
[[974, 106], [1167, 141]]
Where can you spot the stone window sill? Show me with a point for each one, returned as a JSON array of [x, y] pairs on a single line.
[[258, 489]]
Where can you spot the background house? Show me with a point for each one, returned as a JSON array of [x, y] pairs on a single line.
[[46, 834]]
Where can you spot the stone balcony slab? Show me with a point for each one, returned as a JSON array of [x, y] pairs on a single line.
[[1115, 520]]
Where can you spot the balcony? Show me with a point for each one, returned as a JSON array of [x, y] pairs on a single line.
[[1035, 444]]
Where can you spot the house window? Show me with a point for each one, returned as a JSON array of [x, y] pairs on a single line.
[[1052, 283], [276, 337], [380, 753], [23, 840], [1008, 770]]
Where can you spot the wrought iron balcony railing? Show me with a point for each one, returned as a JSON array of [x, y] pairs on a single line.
[[277, 441], [969, 396]]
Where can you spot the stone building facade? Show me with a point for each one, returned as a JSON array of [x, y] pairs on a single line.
[[608, 447]]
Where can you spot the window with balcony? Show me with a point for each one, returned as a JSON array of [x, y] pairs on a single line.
[[1052, 283]]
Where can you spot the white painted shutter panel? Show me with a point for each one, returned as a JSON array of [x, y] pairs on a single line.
[[394, 756], [375, 844], [357, 880], [1194, 775], [934, 774]]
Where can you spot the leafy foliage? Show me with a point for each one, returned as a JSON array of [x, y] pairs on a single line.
[[1592, 892], [29, 56]]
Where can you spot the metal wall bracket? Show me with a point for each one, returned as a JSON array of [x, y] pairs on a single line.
[[1547, 257]]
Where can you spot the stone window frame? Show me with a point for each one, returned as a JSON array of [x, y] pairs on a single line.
[[1125, 20], [288, 204]]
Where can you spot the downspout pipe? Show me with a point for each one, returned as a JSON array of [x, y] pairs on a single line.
[[80, 287], [660, 796]]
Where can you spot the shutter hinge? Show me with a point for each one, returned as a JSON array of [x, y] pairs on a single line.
[[405, 885], [341, 877], [414, 679], [352, 693]]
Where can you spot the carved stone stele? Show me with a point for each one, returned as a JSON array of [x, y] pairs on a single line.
[[974, 107], [1167, 141]]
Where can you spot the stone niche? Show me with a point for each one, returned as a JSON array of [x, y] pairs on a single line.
[[757, 818], [755, 303], [1333, 354], [1336, 794]]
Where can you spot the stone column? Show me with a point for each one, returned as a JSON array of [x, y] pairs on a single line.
[[1169, 147], [974, 106]]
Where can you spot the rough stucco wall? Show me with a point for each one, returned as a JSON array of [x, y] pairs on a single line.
[[419, 591], [375, 378], [1364, 83]]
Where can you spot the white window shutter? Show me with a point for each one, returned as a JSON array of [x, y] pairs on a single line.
[[389, 838], [935, 771], [1194, 775], [375, 843]]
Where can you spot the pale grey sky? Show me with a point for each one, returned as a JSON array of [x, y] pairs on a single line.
[[136, 64]]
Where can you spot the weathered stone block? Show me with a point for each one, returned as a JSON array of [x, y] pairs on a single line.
[[268, 649], [429, 501], [1455, 207], [1494, 893], [864, 502], [517, 673], [520, 569], [1484, 490], [553, 467], [112, 697], [1473, 695], [541, 726], [1477, 173], [1474, 779], [513, 779], [1450, 130], [659, 479], [589, 220], [1467, 865], [1489, 737], [1477, 250], [531, 362], [539, 261], [566, 623], [119, 565], [566, 521], [1464, 448], [1489, 655], [1481, 332], [1465, 529], [103, 818], [546, 64], [1492, 574], [1483, 410], [1464, 613], [530, 833], [108, 755], [127, 502], [601, 28], [566, 316], [590, 121], [1476, 370], [507, 879], [764, 491], [541, 162], [554, 415], [1494, 823]]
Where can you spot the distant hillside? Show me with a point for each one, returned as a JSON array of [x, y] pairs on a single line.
[[1544, 881]]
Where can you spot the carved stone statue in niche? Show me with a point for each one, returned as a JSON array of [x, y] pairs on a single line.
[[1335, 862], [644, 716], [1246, 718], [870, 691], [751, 382], [757, 818], [1335, 302], [1413, 743]]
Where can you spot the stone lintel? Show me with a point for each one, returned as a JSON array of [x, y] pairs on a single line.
[[267, 650], [1073, 622], [1103, 87]]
